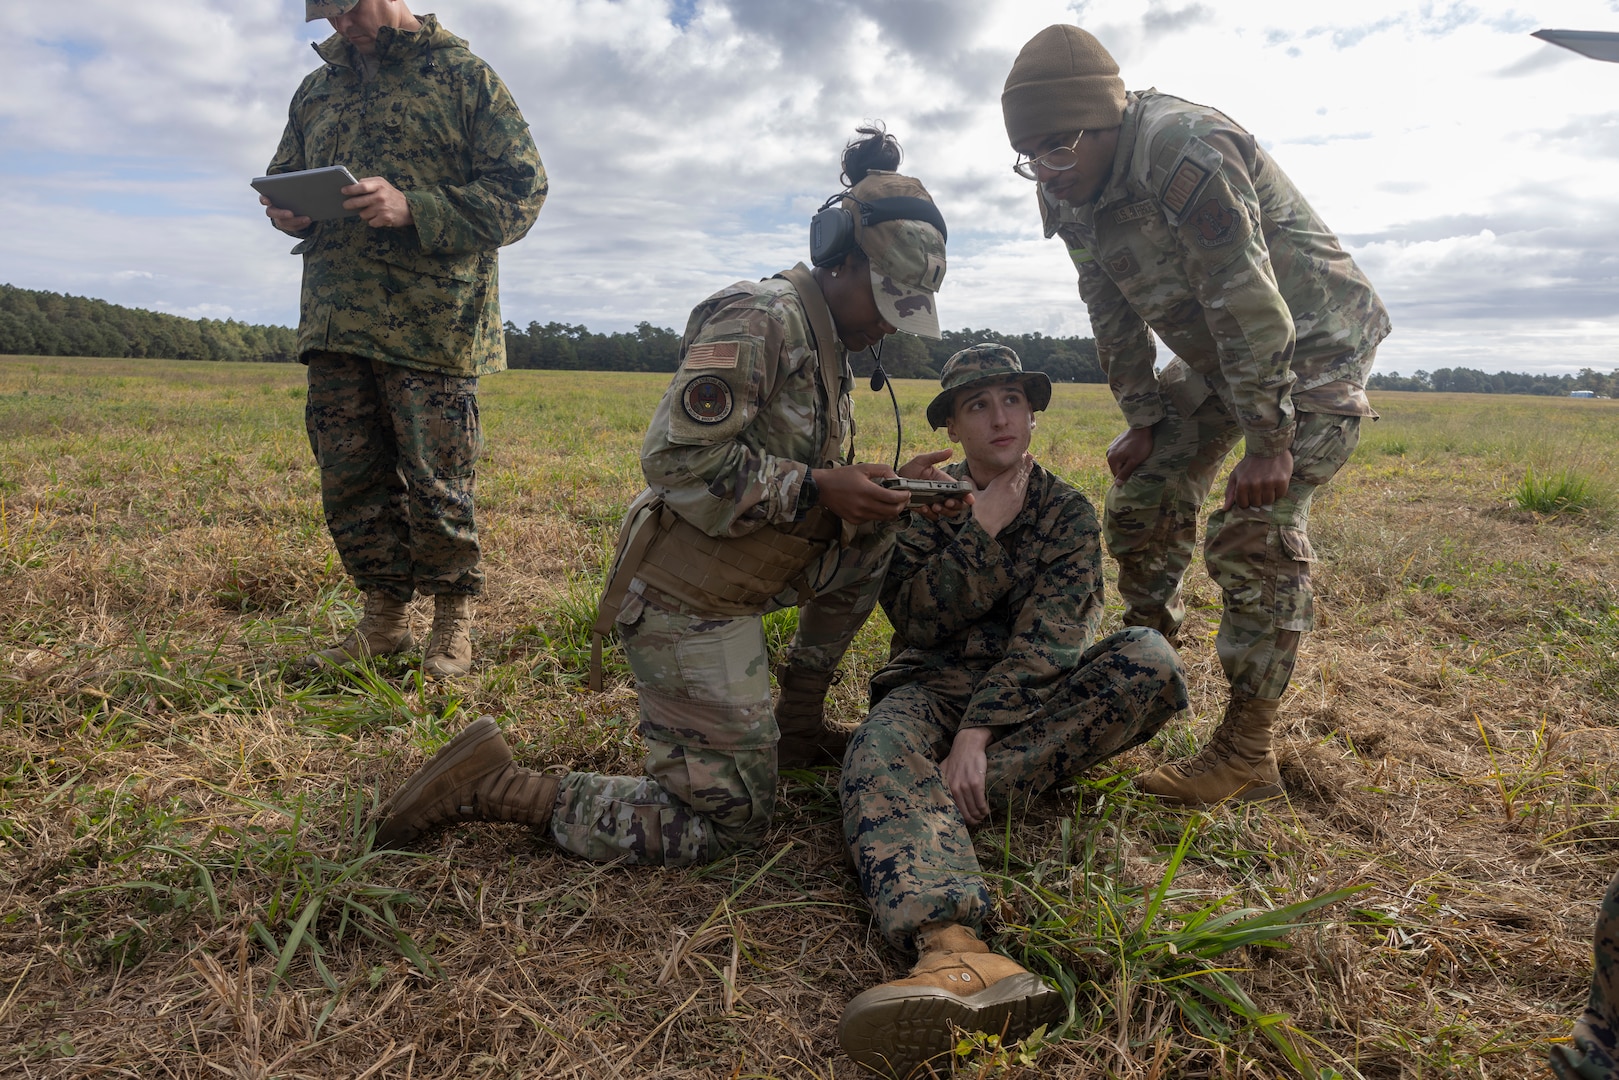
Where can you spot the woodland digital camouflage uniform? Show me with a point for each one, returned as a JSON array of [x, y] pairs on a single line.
[[398, 449], [438, 124], [1200, 238], [729, 464], [989, 632], [396, 323], [1594, 1054]]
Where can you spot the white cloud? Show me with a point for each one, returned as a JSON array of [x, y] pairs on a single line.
[[1467, 165]]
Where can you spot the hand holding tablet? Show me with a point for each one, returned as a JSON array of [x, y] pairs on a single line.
[[313, 194], [294, 200]]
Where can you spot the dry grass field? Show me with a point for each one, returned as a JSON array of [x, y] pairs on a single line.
[[188, 892]]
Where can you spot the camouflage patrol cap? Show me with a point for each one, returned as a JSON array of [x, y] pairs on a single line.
[[907, 257], [326, 9], [984, 363]]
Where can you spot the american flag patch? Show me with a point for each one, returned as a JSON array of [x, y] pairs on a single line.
[[1183, 185], [712, 354]]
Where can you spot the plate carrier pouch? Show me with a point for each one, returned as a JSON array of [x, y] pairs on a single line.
[[731, 576]]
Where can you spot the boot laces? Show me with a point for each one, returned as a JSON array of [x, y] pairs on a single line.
[[376, 618], [1221, 747], [445, 630]]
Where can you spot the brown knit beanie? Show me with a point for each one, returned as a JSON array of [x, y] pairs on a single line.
[[1062, 81]]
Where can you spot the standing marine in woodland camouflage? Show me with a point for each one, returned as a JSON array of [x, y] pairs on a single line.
[[751, 506], [1181, 225], [996, 690], [400, 311]]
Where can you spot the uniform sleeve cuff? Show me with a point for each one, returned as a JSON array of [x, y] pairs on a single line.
[[425, 211], [1143, 416], [1268, 444], [980, 551]]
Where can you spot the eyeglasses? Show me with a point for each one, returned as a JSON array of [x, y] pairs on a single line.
[[1060, 159]]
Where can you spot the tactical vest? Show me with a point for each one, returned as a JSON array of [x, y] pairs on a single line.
[[729, 576]]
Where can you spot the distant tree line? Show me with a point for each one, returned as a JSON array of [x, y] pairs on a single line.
[[36, 323], [652, 348], [1472, 381], [561, 347]]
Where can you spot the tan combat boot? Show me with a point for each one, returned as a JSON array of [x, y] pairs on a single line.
[[898, 1028], [449, 646], [471, 779], [807, 738], [383, 630], [1237, 763]]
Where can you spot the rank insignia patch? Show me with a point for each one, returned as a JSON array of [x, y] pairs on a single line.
[[712, 354], [707, 399], [1183, 185], [1215, 224], [1122, 265]]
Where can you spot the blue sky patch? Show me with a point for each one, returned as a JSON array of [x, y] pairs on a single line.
[[682, 12]]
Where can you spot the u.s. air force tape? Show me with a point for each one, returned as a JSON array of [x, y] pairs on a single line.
[[707, 399]]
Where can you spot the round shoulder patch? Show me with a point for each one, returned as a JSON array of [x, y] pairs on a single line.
[[707, 399]]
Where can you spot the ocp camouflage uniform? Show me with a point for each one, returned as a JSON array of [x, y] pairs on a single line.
[[989, 632], [728, 451], [397, 323], [1200, 238]]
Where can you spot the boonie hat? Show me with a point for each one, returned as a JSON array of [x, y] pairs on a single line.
[[983, 363], [907, 257], [326, 9]]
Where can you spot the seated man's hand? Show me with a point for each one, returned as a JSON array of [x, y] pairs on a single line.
[[926, 467], [995, 506], [1258, 481], [285, 220], [1127, 452], [964, 770], [380, 204], [851, 492]]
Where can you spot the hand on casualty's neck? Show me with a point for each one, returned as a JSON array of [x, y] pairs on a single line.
[[997, 500]]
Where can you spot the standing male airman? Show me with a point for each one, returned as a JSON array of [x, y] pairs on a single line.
[[1181, 225]]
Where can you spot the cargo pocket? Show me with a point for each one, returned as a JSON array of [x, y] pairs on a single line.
[[1295, 599], [456, 431]]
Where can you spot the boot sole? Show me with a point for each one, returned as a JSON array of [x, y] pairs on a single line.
[[899, 1030], [466, 742]]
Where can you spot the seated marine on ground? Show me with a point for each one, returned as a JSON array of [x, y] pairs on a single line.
[[996, 690], [752, 505]]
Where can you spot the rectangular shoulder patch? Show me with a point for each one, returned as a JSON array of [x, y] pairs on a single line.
[[712, 354], [1146, 208], [1186, 182]]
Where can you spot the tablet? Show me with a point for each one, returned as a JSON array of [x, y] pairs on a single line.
[[310, 193]]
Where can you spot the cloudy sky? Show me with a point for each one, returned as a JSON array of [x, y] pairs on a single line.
[[1471, 169]]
